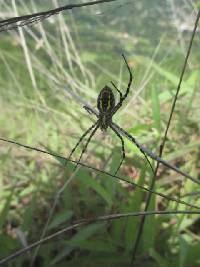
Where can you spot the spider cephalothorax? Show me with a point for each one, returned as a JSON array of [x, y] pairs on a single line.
[[105, 105]]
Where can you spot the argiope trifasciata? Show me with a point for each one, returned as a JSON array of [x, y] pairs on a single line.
[[107, 108]]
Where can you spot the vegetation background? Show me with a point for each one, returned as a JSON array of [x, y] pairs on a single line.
[[47, 73]]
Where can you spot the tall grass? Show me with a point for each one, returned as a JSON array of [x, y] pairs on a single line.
[[48, 72]]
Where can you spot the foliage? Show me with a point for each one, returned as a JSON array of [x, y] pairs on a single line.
[[48, 72]]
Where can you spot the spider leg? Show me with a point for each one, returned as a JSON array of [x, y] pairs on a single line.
[[90, 110], [136, 143], [123, 150], [81, 138], [120, 93], [127, 89], [142, 151], [85, 147]]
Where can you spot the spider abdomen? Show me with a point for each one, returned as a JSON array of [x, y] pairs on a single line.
[[106, 100]]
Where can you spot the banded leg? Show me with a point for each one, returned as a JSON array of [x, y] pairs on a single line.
[[81, 138], [85, 147], [120, 93], [127, 89], [123, 150], [90, 111], [136, 143]]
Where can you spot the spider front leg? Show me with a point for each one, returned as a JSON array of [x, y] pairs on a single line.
[[120, 93], [123, 97], [90, 110], [123, 150]]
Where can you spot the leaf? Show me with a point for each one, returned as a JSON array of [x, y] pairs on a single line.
[[138, 129], [91, 182], [134, 204], [156, 108], [59, 159], [193, 256], [184, 246], [26, 191], [61, 255], [96, 246], [85, 233], [172, 78], [60, 218], [77, 240], [5, 209], [29, 212], [7, 244], [109, 184], [150, 229], [193, 78], [132, 147], [158, 258]]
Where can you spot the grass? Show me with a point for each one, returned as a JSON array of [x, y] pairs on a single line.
[[48, 72]]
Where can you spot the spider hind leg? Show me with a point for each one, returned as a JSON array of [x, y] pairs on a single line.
[[95, 126], [123, 149], [80, 139]]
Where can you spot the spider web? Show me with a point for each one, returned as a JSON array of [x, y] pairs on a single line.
[[15, 22], [33, 20]]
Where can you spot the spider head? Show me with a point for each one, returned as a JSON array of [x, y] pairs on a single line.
[[105, 105]]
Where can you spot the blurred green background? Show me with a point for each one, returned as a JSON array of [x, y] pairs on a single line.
[[47, 73]]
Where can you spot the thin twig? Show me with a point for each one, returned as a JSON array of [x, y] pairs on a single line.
[[90, 221], [101, 171], [155, 157], [140, 230], [12, 23]]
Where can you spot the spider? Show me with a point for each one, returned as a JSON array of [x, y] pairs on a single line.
[[107, 109]]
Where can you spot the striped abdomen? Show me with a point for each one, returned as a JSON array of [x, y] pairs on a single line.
[[106, 100]]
